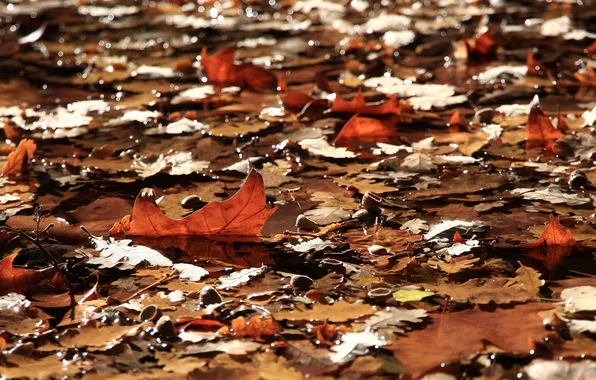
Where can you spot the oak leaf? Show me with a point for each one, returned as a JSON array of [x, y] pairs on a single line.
[[244, 214], [340, 311], [457, 335], [16, 280], [364, 129], [220, 68], [540, 132], [552, 246], [358, 105], [16, 159]]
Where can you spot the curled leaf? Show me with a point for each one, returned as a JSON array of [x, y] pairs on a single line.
[[16, 280], [16, 159]]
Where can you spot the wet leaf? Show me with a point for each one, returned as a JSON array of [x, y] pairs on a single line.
[[553, 245], [243, 214]]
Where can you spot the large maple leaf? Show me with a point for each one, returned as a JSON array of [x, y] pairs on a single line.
[[540, 132], [220, 68], [552, 246], [364, 129], [244, 214], [16, 280], [15, 161], [359, 105]]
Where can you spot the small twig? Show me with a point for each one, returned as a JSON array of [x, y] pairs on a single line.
[[581, 273], [55, 262], [294, 233], [165, 277]]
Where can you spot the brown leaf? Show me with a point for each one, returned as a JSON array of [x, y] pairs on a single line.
[[552, 246], [500, 290], [16, 280], [340, 311], [455, 336], [16, 159], [244, 214]]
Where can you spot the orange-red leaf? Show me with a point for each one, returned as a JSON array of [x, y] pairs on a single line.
[[457, 238], [10, 132], [364, 129], [481, 47], [358, 105], [14, 164], [255, 328], [535, 68], [244, 214], [220, 68], [552, 246], [591, 50], [540, 132], [16, 280]]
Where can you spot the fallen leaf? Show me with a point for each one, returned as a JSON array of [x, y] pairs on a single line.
[[540, 132], [459, 335], [256, 328], [240, 277], [220, 68], [364, 129], [359, 106], [340, 311], [500, 290], [121, 254], [553, 245], [17, 280], [244, 214], [353, 345], [16, 159]]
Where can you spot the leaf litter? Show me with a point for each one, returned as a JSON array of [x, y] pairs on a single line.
[[333, 190]]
